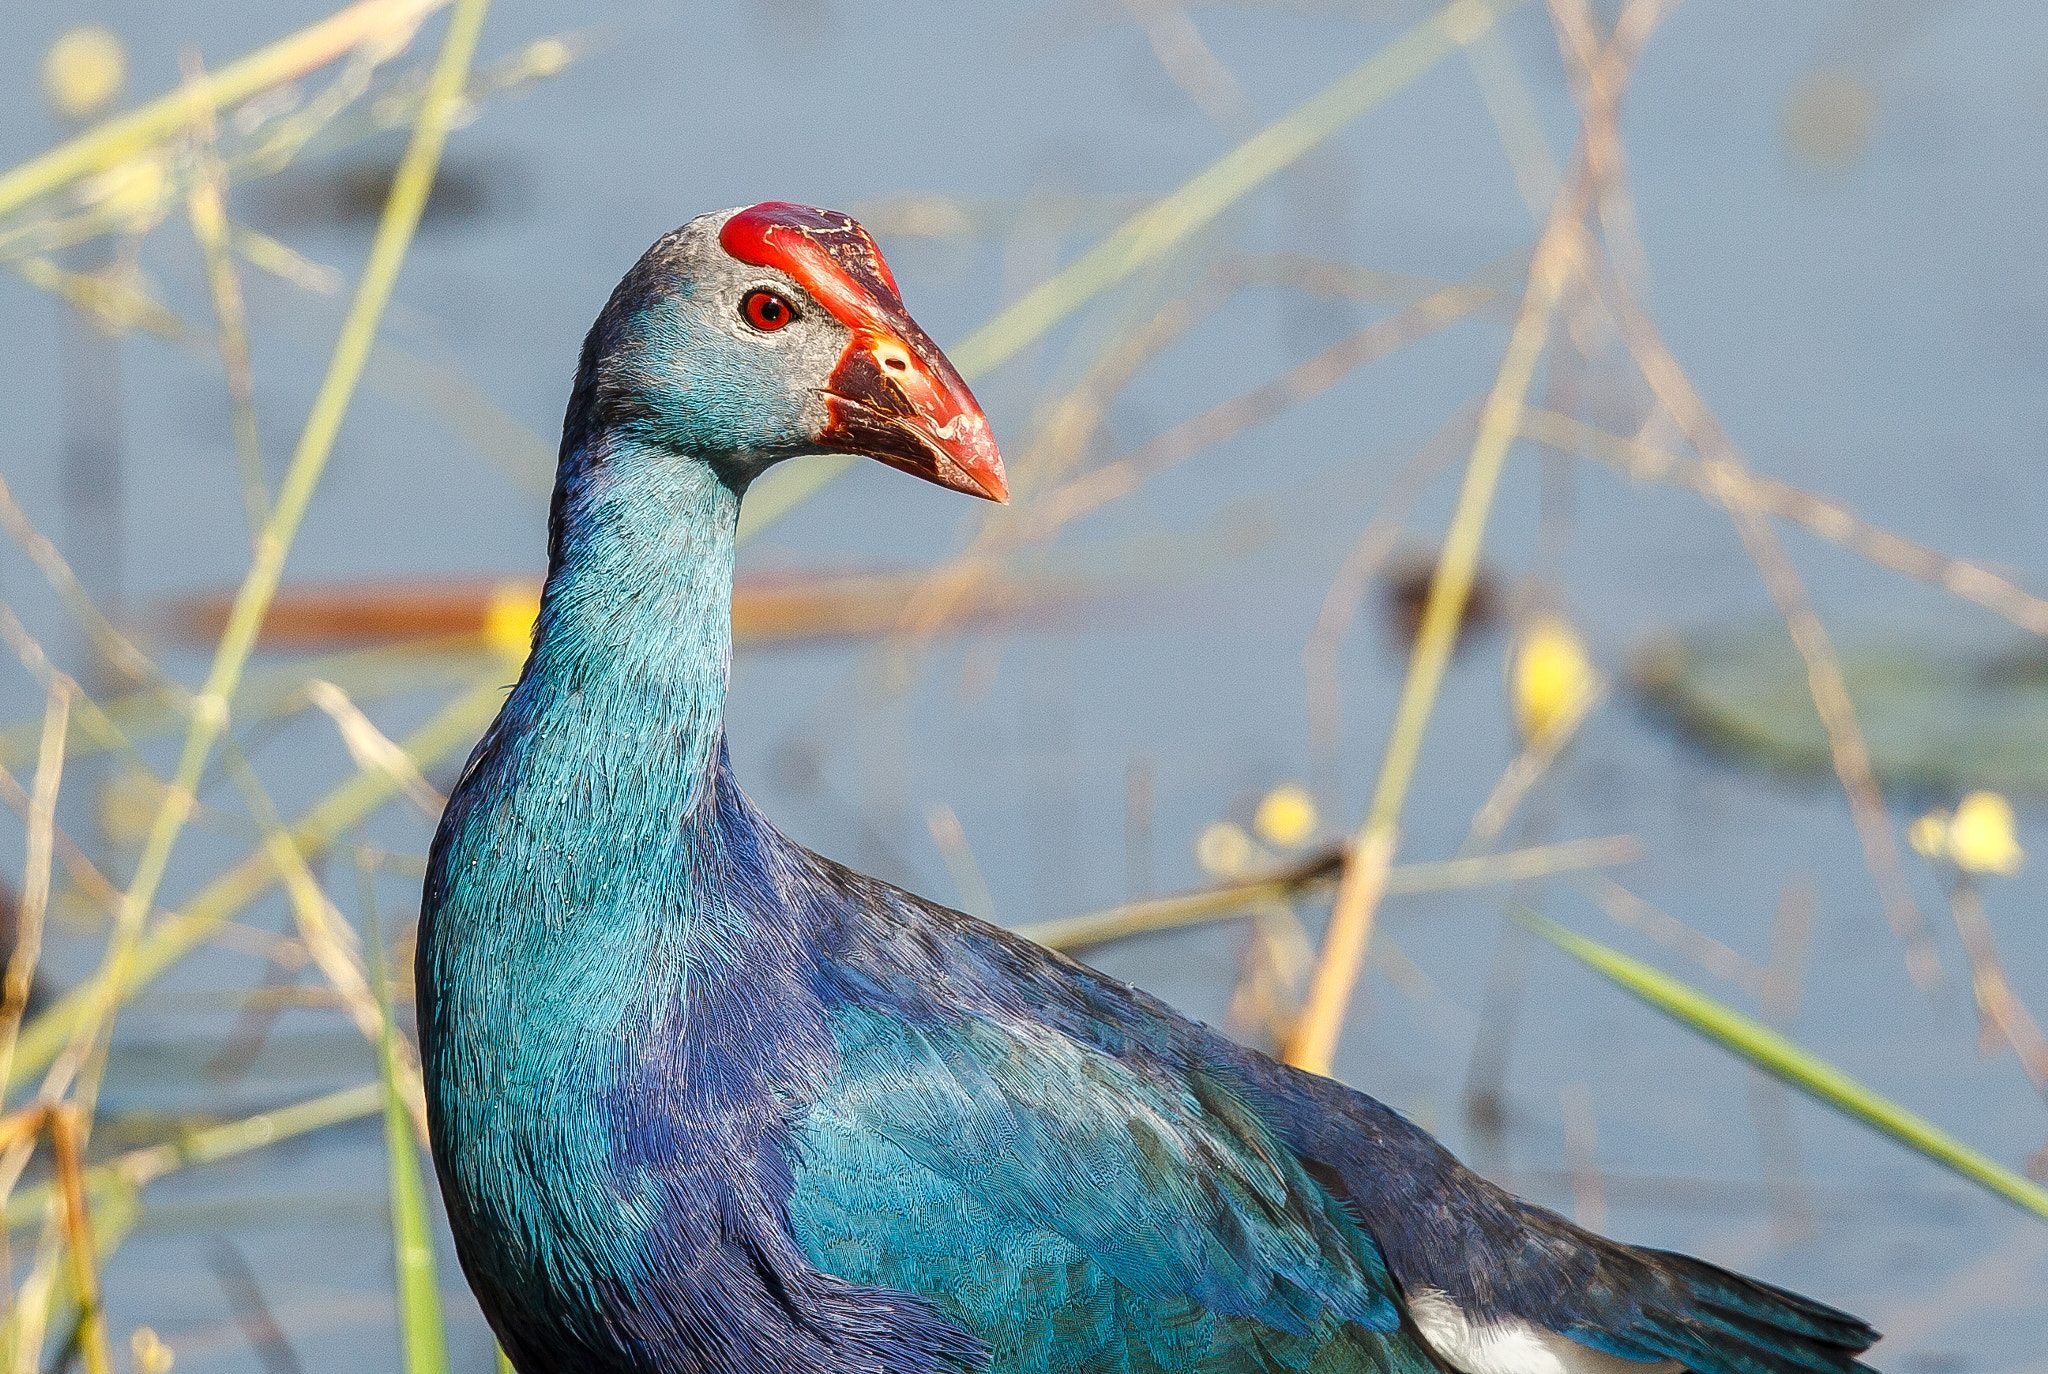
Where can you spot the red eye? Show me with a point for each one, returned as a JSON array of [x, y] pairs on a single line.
[[767, 311]]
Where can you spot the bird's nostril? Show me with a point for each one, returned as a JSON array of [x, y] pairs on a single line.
[[895, 364]]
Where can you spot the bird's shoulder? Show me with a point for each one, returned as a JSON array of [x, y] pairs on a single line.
[[1062, 1108]]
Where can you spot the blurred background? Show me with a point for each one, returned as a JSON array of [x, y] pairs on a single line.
[[1782, 445]]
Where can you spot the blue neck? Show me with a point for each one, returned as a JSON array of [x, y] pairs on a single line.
[[603, 755], [622, 1010], [634, 640]]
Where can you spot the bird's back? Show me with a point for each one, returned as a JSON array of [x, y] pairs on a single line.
[[1092, 1181]]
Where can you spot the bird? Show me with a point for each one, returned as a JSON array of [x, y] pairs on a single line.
[[703, 1100]]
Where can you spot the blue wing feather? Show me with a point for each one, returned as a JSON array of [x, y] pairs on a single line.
[[1078, 1209], [1182, 1166], [868, 1212], [1174, 1187]]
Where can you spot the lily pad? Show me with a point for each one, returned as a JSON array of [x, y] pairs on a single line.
[[1938, 719]]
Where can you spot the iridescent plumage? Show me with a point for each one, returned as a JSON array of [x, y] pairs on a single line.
[[704, 1101]]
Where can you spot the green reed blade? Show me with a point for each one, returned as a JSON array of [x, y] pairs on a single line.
[[168, 115], [1776, 1055], [412, 1229]]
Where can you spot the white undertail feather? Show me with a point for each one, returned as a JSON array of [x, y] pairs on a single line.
[[1513, 1346]]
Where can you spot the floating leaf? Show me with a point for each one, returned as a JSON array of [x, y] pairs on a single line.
[[1936, 720]]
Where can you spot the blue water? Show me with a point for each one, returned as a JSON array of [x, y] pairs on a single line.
[[1872, 331]]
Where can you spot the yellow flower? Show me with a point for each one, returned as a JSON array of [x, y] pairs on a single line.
[[1286, 817], [152, 1356], [509, 617], [1549, 676], [1981, 838], [84, 70], [1929, 835], [546, 57], [1223, 849]]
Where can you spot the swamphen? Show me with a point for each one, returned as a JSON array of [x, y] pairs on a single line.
[[702, 1100]]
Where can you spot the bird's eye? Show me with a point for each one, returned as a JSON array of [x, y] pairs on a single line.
[[766, 311]]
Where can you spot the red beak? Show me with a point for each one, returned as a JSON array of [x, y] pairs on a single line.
[[893, 395]]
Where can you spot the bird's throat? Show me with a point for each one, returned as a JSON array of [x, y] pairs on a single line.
[[627, 680]]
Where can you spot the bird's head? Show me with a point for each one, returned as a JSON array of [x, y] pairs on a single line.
[[754, 335]]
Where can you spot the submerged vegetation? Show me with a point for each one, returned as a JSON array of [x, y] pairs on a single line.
[[1876, 718]]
